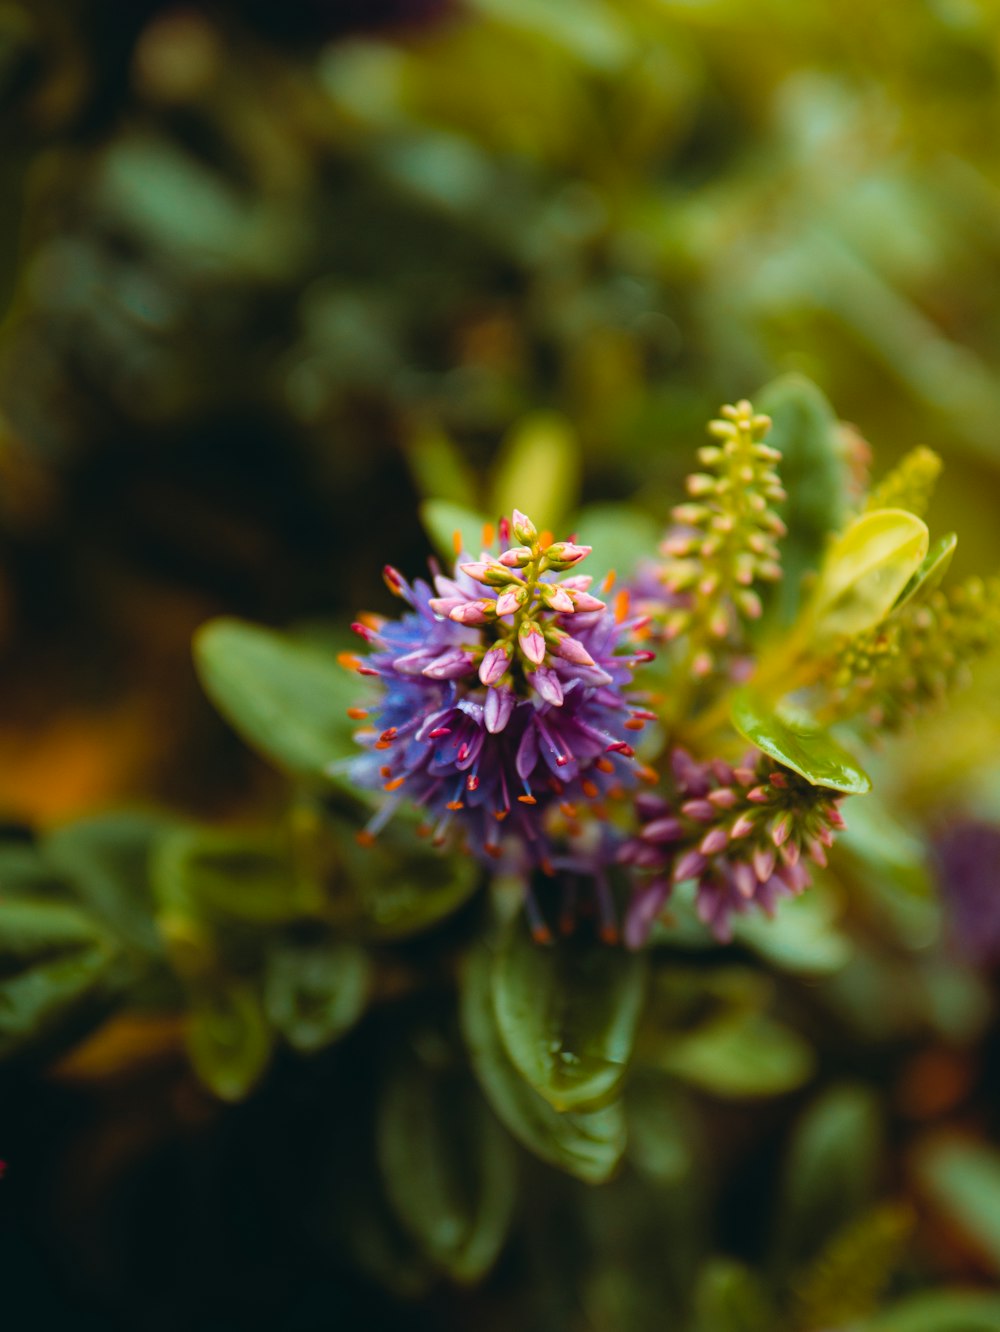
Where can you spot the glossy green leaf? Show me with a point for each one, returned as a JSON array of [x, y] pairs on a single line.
[[864, 572], [567, 1015], [742, 1056], [538, 471], [962, 1178], [228, 1039], [939, 1311], [287, 699], [57, 968], [830, 1173], [799, 744], [730, 1297], [588, 1146], [815, 474], [932, 570], [108, 859], [235, 876], [447, 1166], [442, 519], [314, 993]]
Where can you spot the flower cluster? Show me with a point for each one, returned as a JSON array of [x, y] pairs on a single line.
[[504, 695], [741, 833], [507, 711], [725, 538], [917, 657]]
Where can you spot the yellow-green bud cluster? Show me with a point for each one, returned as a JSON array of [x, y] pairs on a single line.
[[726, 536], [909, 485]]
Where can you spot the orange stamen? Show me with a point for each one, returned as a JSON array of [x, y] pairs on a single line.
[[609, 581], [364, 838], [349, 661], [604, 765], [589, 789], [395, 784], [622, 600], [545, 539], [634, 724], [456, 804], [488, 534], [357, 714], [527, 800], [456, 541]]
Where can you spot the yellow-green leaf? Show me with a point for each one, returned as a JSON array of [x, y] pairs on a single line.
[[865, 570]]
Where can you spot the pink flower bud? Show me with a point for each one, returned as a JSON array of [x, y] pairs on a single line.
[[471, 612], [497, 709], [531, 641], [713, 842], [516, 557], [689, 866], [546, 684], [556, 598], [486, 571], [494, 663], [583, 601], [510, 599], [564, 554], [524, 529], [570, 649]]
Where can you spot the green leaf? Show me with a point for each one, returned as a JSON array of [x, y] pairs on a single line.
[[439, 468], [621, 535], [538, 470], [729, 1297], [567, 1015], [802, 938], [963, 1178], [939, 1311], [287, 699], [815, 474], [57, 968], [932, 570], [887, 853], [831, 1172], [399, 886], [442, 519], [228, 1039], [588, 1146], [315, 993], [845, 1281], [864, 572], [108, 858], [798, 744], [235, 876], [662, 1132], [741, 1057], [447, 1167]]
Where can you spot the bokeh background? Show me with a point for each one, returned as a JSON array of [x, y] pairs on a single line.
[[270, 274]]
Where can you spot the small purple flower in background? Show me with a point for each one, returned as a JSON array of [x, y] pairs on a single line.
[[967, 860], [741, 833], [504, 697]]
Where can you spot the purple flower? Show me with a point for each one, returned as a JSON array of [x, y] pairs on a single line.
[[501, 720], [967, 859], [741, 833]]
